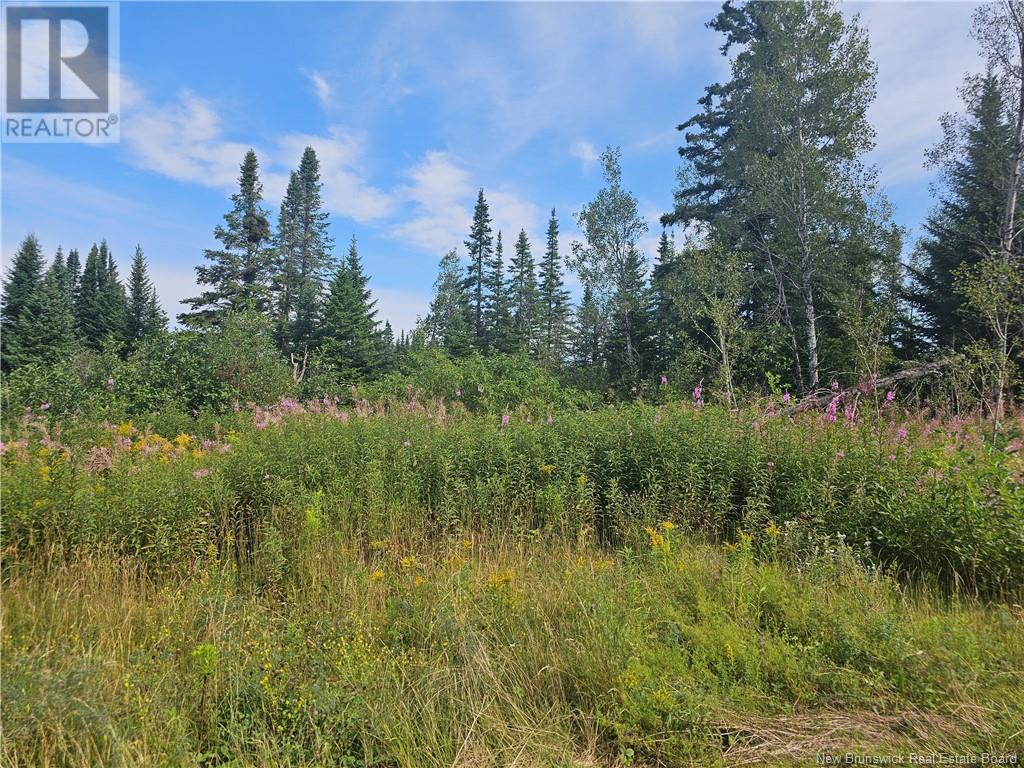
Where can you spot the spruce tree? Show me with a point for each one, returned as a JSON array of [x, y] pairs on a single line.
[[46, 326], [238, 274], [145, 317], [590, 330], [631, 332], [73, 268], [20, 288], [350, 341], [284, 282], [523, 290], [497, 321], [965, 225], [479, 250], [553, 299], [313, 247], [666, 318], [59, 270], [111, 300], [448, 324]]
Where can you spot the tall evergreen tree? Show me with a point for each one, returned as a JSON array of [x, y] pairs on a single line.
[[448, 324], [46, 326], [145, 316], [591, 330], [73, 268], [667, 324], [350, 341], [284, 281], [965, 225], [59, 270], [497, 320], [523, 290], [629, 350], [313, 248], [553, 299], [21, 285], [102, 308], [239, 271], [479, 249]]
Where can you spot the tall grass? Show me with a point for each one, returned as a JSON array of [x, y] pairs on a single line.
[[928, 498], [497, 650]]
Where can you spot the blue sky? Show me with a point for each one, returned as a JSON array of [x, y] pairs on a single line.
[[412, 108]]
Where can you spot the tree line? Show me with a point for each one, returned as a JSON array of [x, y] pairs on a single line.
[[779, 264]]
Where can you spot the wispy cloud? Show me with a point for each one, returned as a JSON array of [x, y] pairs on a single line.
[[585, 152], [321, 87]]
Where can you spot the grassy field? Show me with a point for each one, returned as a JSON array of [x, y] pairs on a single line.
[[313, 586]]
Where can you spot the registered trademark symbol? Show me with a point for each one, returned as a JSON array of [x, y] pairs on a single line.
[[112, 119]]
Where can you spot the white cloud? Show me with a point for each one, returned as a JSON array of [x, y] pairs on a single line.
[[321, 87], [916, 85], [585, 152], [437, 194], [187, 141]]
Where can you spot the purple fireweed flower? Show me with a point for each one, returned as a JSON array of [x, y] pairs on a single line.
[[44, 407], [110, 383], [549, 419], [902, 433], [850, 412], [698, 395], [835, 385], [889, 397], [504, 420], [664, 380], [833, 407], [786, 397]]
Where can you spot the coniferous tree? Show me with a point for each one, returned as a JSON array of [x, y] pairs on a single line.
[[448, 324], [388, 348], [284, 282], [667, 324], [85, 307], [21, 285], [553, 299], [523, 290], [73, 268], [111, 300], [312, 250], [350, 341], [590, 330], [239, 271], [965, 225], [497, 321], [479, 249], [59, 270], [46, 326], [630, 335], [145, 316]]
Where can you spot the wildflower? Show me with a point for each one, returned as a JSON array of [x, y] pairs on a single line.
[[664, 380], [772, 529], [835, 385], [480, 389], [504, 420], [408, 562], [44, 407], [786, 397], [199, 474], [458, 392], [850, 412], [902, 433], [840, 454], [668, 525], [833, 406], [236, 407], [549, 419], [698, 395], [889, 397], [547, 469], [892, 457], [406, 444], [377, 575], [110, 383]]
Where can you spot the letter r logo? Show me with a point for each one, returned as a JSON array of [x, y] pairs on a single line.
[[57, 58]]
